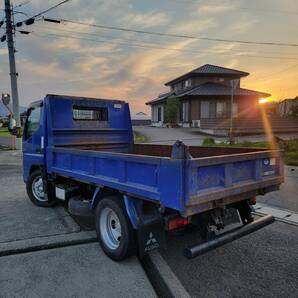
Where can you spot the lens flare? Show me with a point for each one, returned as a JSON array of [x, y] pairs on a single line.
[[269, 134], [263, 100]]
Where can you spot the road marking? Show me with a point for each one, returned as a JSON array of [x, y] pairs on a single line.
[[283, 215]]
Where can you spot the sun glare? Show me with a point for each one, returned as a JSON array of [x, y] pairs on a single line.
[[263, 100]]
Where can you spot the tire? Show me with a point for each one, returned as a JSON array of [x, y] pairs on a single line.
[[114, 230], [33, 184]]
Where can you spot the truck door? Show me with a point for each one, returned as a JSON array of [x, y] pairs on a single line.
[[33, 139]]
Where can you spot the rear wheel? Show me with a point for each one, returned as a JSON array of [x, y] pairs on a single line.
[[113, 228], [35, 190]]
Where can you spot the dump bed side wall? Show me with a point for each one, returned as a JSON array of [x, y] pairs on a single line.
[[151, 178]]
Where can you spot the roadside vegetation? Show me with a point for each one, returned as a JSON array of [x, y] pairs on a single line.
[[138, 138], [4, 132], [290, 148]]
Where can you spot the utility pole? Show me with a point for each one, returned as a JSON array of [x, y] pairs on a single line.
[[231, 137], [12, 67]]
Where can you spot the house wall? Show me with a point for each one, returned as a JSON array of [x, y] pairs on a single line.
[[244, 107], [196, 81]]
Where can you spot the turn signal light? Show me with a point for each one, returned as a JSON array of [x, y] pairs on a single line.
[[177, 223]]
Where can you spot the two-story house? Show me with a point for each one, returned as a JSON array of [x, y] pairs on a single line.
[[204, 96]]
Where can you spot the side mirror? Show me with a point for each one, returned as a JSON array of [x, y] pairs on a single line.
[[5, 99]]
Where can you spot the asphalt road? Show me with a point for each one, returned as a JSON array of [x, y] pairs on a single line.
[[76, 271], [262, 264], [287, 196], [5, 141], [163, 135], [34, 261]]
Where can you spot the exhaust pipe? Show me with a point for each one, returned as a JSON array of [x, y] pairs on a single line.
[[202, 248]]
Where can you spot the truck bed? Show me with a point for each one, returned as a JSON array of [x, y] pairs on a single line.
[[207, 177]]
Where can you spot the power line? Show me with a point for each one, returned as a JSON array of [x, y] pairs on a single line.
[[159, 47], [179, 35], [138, 40], [51, 8], [158, 44]]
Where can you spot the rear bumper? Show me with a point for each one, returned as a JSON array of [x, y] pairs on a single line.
[[202, 248]]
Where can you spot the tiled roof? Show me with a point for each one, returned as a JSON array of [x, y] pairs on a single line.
[[209, 69], [220, 89], [210, 89]]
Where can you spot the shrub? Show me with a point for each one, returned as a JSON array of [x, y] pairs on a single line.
[[171, 110], [208, 141]]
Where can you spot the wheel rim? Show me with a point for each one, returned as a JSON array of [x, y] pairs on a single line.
[[110, 228], [37, 189]]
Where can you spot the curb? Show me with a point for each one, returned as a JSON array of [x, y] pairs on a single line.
[[42, 243], [161, 276], [282, 215]]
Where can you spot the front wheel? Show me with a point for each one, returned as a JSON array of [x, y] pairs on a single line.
[[35, 190], [113, 228]]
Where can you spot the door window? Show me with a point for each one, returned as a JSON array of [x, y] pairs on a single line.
[[33, 120]]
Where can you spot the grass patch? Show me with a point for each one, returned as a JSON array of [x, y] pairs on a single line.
[[4, 132], [290, 148], [138, 138]]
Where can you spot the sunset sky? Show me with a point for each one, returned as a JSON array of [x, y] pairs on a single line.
[[120, 65]]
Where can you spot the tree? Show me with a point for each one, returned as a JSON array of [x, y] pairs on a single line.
[[294, 110], [171, 110]]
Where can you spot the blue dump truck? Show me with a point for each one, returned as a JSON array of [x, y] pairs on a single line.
[[81, 151]]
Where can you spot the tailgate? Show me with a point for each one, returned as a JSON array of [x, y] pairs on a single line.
[[218, 177]]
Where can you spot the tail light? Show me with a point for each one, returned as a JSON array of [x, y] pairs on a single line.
[[253, 201], [176, 223]]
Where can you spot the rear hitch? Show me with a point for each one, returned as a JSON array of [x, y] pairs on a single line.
[[230, 236]]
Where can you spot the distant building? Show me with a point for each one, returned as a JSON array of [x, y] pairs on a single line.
[[140, 118], [204, 100]]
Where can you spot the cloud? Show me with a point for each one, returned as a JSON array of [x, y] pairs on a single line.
[[145, 20], [207, 9], [3, 51], [243, 25]]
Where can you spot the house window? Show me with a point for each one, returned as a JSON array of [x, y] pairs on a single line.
[[187, 83], [235, 109], [184, 107], [213, 109], [220, 109], [204, 109], [159, 114]]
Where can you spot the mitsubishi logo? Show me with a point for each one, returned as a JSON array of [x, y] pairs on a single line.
[[151, 239]]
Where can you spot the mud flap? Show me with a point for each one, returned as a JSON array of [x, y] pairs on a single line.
[[151, 235]]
